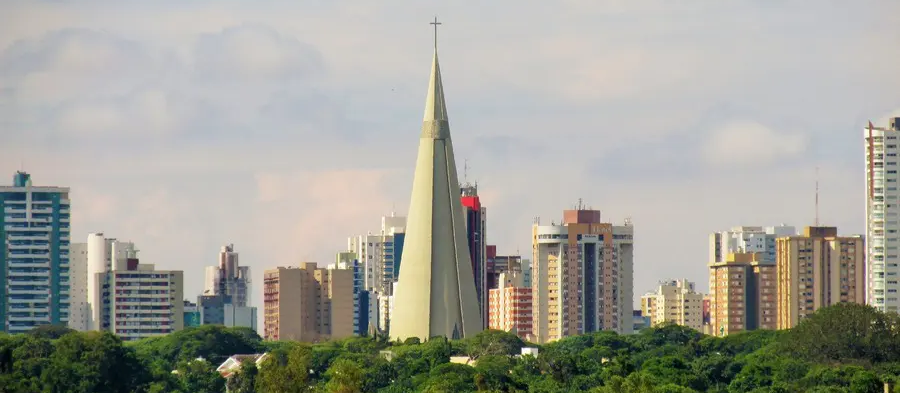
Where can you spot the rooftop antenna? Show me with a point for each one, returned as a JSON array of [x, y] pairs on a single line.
[[466, 171], [817, 195]]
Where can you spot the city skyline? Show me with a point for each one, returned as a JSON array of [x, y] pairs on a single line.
[[185, 146]]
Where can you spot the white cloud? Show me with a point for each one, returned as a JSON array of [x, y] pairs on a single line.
[[751, 143]]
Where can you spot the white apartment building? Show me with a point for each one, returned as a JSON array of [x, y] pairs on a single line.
[[143, 302], [882, 209], [79, 312], [34, 255], [582, 276], [130, 299], [102, 255], [674, 301], [747, 239], [379, 256]]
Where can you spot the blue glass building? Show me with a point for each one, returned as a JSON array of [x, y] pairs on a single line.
[[34, 255]]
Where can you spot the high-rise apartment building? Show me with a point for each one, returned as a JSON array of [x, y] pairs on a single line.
[[883, 216], [818, 269], [79, 312], [130, 299], [582, 275], [103, 254], [742, 293], [227, 293], [229, 278], [380, 255], [347, 260], [675, 301], [138, 301], [498, 264], [476, 234], [308, 303], [509, 305], [747, 239], [34, 255]]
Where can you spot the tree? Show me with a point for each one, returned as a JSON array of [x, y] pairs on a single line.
[[285, 370], [344, 376], [200, 376], [493, 342], [50, 332], [845, 331], [244, 380]]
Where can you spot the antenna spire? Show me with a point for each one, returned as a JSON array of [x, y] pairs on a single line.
[[817, 195], [466, 171], [436, 24]]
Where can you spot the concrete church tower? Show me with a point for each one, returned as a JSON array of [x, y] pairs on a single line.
[[435, 294]]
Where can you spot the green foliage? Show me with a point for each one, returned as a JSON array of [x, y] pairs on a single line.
[[847, 348], [846, 332]]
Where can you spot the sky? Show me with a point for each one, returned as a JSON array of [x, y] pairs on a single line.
[[284, 127]]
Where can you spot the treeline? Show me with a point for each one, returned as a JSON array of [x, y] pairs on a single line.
[[845, 348]]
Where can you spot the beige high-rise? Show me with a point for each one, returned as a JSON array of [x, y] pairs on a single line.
[[582, 276], [674, 301], [308, 303], [742, 292], [818, 269]]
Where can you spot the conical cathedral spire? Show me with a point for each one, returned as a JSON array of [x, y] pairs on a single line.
[[435, 293], [435, 107]]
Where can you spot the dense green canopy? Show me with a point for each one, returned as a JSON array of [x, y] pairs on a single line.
[[844, 348]]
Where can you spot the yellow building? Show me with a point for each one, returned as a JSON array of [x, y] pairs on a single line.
[[742, 292], [818, 269], [674, 301], [308, 303]]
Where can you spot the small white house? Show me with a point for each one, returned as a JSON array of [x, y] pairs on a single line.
[[233, 363]]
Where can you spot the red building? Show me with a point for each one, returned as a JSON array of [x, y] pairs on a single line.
[[476, 229]]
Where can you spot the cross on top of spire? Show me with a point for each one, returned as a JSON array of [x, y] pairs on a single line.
[[436, 24]]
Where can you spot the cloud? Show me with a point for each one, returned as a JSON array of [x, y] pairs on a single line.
[[312, 210], [254, 52], [749, 143], [185, 126]]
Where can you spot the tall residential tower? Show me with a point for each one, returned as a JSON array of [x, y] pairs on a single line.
[[34, 255], [882, 210], [582, 276]]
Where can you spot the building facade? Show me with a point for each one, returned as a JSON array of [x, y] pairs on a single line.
[[229, 279], [103, 254], [509, 305], [675, 301], [79, 312], [191, 314], [137, 301], [308, 303], [476, 234], [498, 264], [34, 255], [379, 256], [347, 260], [818, 269], [747, 239], [742, 293], [582, 273], [882, 220]]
